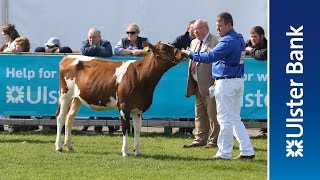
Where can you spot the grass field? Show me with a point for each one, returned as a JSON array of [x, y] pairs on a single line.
[[32, 156]]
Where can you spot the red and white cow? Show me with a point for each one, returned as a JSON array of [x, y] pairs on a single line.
[[103, 85]]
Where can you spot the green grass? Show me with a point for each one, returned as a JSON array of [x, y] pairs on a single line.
[[32, 156]]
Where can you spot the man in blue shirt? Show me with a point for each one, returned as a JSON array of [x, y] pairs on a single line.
[[227, 68]]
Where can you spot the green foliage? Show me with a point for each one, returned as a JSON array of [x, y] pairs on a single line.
[[32, 156]]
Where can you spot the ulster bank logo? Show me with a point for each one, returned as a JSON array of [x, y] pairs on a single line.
[[15, 94], [294, 148], [30, 95]]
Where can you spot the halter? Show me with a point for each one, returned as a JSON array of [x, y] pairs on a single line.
[[168, 59]]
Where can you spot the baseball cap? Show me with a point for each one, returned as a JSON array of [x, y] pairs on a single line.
[[53, 41]]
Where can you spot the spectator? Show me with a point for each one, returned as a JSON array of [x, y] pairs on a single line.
[[199, 80], [132, 44], [14, 43], [183, 41], [53, 46], [95, 46], [9, 34], [256, 46], [228, 69], [20, 44]]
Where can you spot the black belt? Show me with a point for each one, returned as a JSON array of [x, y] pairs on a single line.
[[228, 77]]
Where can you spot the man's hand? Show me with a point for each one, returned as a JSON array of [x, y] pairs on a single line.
[[137, 52], [186, 52], [249, 48]]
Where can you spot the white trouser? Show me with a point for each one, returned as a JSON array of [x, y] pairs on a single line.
[[229, 97]]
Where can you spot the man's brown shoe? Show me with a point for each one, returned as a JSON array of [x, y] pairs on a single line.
[[192, 145], [241, 157], [208, 146]]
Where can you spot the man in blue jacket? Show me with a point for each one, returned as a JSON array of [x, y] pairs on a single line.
[[227, 69], [95, 46]]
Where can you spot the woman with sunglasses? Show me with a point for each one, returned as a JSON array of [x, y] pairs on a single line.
[[132, 44]]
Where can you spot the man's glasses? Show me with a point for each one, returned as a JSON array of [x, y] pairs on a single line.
[[131, 32], [51, 46], [199, 28]]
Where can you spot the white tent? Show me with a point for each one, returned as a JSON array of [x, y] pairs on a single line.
[[158, 20]]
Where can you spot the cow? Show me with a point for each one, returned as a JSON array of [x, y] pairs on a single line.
[[105, 85]]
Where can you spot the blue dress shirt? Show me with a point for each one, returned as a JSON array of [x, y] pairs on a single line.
[[225, 56]]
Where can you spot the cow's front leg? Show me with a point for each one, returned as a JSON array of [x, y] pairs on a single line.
[[63, 110], [74, 108]]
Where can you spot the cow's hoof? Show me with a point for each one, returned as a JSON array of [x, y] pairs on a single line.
[[136, 153], [125, 154], [70, 149], [59, 150]]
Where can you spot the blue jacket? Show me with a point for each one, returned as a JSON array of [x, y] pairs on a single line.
[[225, 56], [102, 50], [182, 41]]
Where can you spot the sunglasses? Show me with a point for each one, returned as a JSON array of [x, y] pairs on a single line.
[[131, 32], [51, 46]]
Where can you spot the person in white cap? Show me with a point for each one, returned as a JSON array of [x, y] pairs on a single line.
[[53, 46]]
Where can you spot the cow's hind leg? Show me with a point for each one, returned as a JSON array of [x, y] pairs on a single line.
[[137, 121], [125, 122], [61, 116], [74, 108]]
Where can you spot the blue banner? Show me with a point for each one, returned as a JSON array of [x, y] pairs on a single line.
[[294, 96], [30, 86]]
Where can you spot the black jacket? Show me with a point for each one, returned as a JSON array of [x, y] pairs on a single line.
[[182, 41], [260, 52]]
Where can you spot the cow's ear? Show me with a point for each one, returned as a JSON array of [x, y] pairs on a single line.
[[147, 47]]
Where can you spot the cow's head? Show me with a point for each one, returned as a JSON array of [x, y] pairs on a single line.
[[166, 51]]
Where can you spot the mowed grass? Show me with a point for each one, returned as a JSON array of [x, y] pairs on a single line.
[[32, 156]]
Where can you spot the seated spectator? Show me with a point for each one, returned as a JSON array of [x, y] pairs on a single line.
[[53, 46], [256, 46], [183, 41], [14, 43], [20, 44], [132, 44], [9, 34], [95, 46]]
